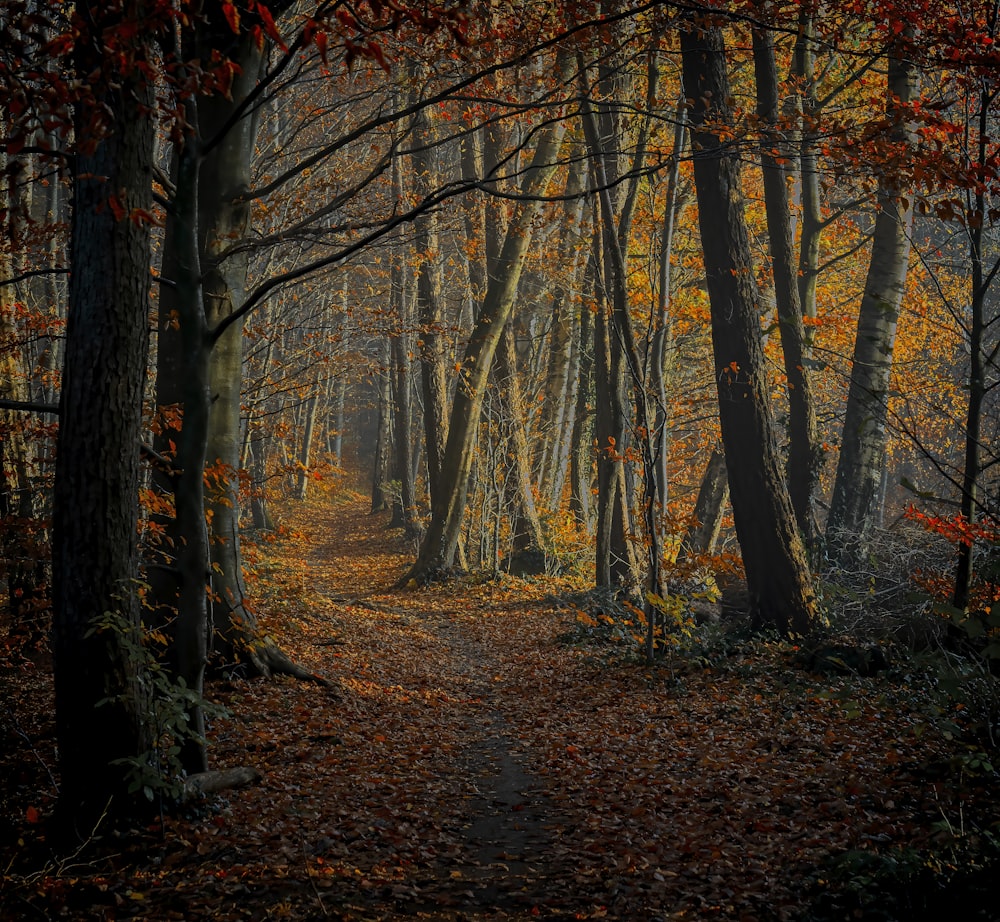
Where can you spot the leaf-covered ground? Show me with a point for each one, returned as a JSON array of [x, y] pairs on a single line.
[[470, 764]]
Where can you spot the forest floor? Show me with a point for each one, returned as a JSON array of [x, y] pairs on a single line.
[[469, 763]]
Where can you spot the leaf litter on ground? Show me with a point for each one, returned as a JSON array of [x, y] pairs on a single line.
[[470, 766]]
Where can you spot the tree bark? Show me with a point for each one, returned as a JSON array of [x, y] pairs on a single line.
[[192, 629], [100, 694], [555, 426], [440, 544], [773, 554], [856, 501], [804, 453], [526, 527], [582, 441], [433, 346], [404, 513], [706, 520], [980, 359]]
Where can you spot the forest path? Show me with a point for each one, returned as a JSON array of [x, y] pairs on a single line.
[[505, 824], [469, 765], [483, 770]]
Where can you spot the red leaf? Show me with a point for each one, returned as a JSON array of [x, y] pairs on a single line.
[[32, 815], [232, 16], [269, 27], [117, 208]]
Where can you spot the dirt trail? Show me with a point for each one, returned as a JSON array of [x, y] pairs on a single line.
[[505, 822], [470, 767], [489, 772]]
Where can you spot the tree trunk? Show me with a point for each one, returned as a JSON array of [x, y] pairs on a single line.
[[305, 449], [855, 505], [706, 520], [400, 368], [555, 426], [526, 527], [23, 576], [192, 629], [382, 455], [102, 715], [429, 312], [804, 453], [773, 554], [604, 136], [440, 544], [662, 347], [803, 68], [224, 219], [979, 361], [582, 441]]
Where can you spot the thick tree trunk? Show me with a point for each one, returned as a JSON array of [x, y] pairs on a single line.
[[102, 714], [856, 502], [224, 219], [773, 554]]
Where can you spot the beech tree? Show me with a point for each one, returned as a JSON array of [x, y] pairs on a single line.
[[102, 716], [857, 495], [440, 543], [773, 554]]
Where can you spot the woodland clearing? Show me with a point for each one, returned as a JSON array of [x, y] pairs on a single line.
[[478, 759]]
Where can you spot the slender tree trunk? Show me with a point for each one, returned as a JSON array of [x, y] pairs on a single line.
[[102, 715], [979, 361], [582, 441], [773, 554], [339, 396], [557, 409], [804, 453], [661, 347], [526, 527], [382, 456], [429, 312], [24, 581], [603, 138], [405, 508], [706, 521], [192, 629], [855, 505], [440, 544], [306, 448], [803, 67]]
